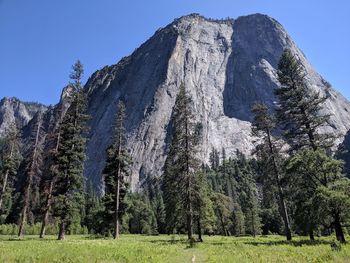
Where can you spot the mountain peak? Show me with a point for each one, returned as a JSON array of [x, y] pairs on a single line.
[[199, 17], [258, 17]]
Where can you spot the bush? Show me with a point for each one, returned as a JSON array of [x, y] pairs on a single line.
[[336, 245], [51, 229]]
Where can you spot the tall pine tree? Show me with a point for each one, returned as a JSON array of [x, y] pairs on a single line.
[[69, 187], [180, 179], [50, 173], [299, 107], [115, 173]]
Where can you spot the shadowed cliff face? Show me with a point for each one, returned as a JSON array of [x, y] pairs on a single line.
[[343, 153], [257, 43], [226, 65]]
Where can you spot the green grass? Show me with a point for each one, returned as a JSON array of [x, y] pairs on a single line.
[[136, 248]]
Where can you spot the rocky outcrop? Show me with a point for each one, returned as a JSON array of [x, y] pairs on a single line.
[[12, 110], [226, 66]]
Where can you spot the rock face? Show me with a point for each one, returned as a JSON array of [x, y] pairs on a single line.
[[226, 66], [13, 110]]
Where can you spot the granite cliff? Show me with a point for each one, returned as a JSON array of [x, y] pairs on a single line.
[[226, 65]]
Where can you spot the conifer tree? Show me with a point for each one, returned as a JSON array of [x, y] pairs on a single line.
[[251, 210], [269, 156], [93, 208], [50, 170], [69, 185], [238, 220], [203, 207], [155, 196], [299, 107], [116, 171], [181, 166], [10, 155], [214, 159], [300, 117], [139, 217], [33, 162]]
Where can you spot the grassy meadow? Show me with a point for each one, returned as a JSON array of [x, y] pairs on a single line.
[[137, 248]]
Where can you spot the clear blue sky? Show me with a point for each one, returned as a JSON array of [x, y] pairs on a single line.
[[41, 39]]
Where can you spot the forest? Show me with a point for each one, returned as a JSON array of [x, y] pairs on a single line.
[[291, 185]]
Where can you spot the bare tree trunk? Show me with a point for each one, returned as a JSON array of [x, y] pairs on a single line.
[[25, 206], [311, 234], [28, 186], [117, 191], [63, 225], [62, 232], [338, 230], [223, 224], [3, 189], [253, 223], [199, 226], [116, 214], [189, 223], [282, 203], [189, 183], [47, 210], [49, 194]]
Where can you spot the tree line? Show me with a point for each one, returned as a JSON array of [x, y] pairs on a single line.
[[291, 184]]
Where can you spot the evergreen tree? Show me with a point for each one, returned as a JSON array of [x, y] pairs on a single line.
[[115, 173], [271, 219], [238, 221], [268, 154], [299, 115], [182, 166], [249, 202], [10, 155], [214, 159], [152, 188], [202, 205], [223, 155], [252, 211], [93, 209], [299, 107], [32, 163], [69, 186], [50, 173], [235, 197], [139, 217]]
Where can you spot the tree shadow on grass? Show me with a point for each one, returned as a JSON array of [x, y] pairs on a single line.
[[168, 242], [296, 243], [14, 239], [98, 237]]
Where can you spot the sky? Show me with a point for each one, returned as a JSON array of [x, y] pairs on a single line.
[[41, 39]]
